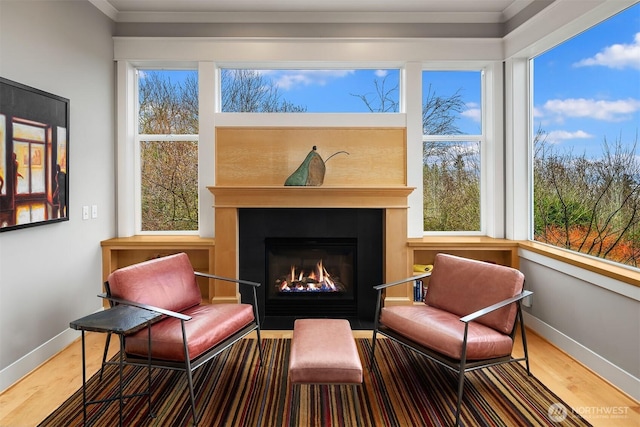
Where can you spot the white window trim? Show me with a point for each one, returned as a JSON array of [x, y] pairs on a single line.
[[492, 213], [125, 161]]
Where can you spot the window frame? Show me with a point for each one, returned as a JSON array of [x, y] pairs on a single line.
[[482, 140], [524, 65], [305, 67], [137, 160]]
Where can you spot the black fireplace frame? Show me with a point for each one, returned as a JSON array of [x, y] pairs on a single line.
[[255, 225]]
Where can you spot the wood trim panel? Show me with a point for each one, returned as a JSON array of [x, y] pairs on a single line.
[[314, 197], [500, 251], [266, 156]]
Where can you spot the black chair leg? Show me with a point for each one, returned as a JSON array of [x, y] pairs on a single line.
[[259, 345], [460, 390], [461, 370], [523, 334], [104, 354], [373, 349], [192, 396]]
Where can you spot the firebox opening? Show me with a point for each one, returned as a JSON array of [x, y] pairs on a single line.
[[363, 227], [310, 268]]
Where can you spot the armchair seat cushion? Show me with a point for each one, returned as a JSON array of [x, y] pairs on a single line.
[[443, 332], [210, 325]]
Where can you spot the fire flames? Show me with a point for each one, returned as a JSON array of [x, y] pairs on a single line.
[[317, 280]]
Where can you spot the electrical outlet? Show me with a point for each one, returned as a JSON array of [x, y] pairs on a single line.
[[85, 212], [94, 211]]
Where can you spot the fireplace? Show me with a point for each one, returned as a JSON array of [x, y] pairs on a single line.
[[312, 262], [311, 277]]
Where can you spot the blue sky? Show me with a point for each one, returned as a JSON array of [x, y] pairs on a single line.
[[323, 91], [587, 89]]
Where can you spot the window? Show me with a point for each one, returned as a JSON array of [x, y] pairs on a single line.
[[452, 140], [586, 172], [310, 90], [168, 150], [30, 143]]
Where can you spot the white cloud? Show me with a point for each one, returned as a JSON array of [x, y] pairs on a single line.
[[618, 56], [537, 112], [382, 73], [610, 111], [473, 112], [557, 136], [289, 79]]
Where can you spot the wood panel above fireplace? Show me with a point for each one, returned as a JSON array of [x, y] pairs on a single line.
[[247, 156]]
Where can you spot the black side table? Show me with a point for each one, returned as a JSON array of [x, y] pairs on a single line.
[[121, 320]]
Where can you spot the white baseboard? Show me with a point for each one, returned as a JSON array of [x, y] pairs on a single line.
[[21, 367], [607, 370]]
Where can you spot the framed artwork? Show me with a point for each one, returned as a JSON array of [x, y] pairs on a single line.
[[34, 156]]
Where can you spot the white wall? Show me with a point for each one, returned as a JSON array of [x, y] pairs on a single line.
[[593, 318], [51, 274]]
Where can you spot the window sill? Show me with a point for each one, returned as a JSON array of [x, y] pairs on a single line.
[[610, 270]]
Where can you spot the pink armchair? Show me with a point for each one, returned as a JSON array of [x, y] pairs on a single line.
[[191, 333], [468, 320]]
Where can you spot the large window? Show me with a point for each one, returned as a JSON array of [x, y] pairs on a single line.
[[168, 150], [452, 140], [586, 96]]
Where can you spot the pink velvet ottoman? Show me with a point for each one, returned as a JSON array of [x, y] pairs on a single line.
[[323, 351]]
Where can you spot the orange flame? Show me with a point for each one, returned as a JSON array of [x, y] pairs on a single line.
[[317, 280]]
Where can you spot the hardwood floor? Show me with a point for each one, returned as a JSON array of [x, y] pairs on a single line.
[[31, 399]]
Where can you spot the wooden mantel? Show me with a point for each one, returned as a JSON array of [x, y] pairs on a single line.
[[391, 199], [310, 197]]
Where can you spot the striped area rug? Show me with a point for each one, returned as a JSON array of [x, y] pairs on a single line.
[[403, 389]]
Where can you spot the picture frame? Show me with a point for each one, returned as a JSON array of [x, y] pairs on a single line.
[[34, 156]]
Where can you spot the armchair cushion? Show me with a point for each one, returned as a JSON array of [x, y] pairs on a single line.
[[443, 332], [462, 286], [210, 325], [168, 282]]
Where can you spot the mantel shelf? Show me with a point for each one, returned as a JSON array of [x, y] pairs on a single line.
[[308, 197]]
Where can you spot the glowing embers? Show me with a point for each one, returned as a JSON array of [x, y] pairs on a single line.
[[317, 279]]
